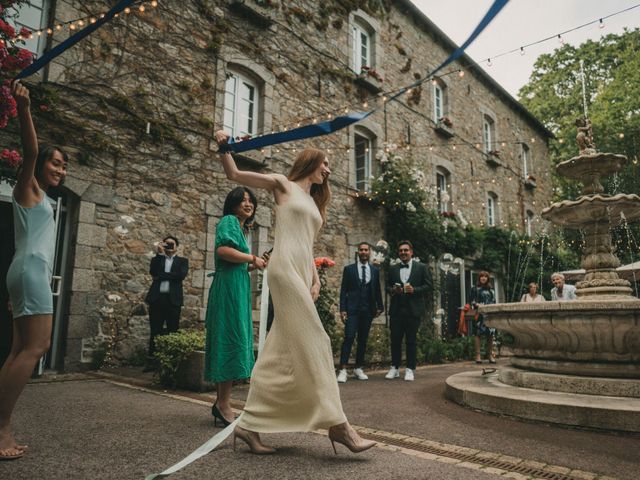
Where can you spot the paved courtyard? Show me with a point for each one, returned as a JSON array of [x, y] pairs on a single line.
[[114, 427]]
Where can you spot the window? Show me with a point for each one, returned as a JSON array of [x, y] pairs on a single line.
[[528, 223], [488, 131], [363, 162], [240, 105], [443, 190], [492, 209], [33, 16], [440, 107], [361, 48], [526, 161]]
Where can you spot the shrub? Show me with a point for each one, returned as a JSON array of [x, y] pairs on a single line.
[[172, 350]]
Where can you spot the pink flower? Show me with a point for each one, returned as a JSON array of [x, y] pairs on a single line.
[[44, 108], [7, 29], [11, 158]]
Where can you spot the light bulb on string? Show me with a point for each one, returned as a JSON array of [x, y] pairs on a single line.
[[601, 24], [461, 73], [127, 10], [521, 50], [489, 62], [560, 39], [621, 136], [365, 104], [154, 3], [141, 8]]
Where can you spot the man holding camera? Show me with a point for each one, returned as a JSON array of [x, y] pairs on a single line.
[[165, 295], [408, 282]]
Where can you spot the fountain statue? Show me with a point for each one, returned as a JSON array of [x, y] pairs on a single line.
[[587, 350]]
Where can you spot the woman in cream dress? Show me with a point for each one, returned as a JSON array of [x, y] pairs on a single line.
[[293, 386]]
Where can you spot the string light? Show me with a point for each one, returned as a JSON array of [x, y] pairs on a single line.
[[601, 24], [560, 39], [521, 50]]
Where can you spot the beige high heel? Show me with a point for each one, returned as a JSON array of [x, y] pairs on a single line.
[[252, 439], [348, 437]]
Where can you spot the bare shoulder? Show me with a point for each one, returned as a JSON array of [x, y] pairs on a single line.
[[283, 182]]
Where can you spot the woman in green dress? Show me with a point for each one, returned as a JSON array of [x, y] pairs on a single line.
[[229, 346]]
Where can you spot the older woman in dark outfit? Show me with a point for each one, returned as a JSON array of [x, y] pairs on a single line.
[[229, 341]]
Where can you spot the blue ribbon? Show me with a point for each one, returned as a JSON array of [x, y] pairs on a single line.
[[338, 123], [72, 40]]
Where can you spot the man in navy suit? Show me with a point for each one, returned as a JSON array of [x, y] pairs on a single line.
[[165, 296], [408, 282], [360, 302]]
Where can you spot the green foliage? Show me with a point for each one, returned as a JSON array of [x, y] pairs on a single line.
[[554, 95], [325, 306], [139, 357], [98, 356], [172, 350]]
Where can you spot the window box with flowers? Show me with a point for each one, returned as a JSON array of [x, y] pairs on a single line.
[[10, 161], [444, 126], [492, 157], [530, 182], [256, 11], [369, 79]]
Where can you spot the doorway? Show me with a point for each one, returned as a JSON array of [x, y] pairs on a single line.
[[54, 359]]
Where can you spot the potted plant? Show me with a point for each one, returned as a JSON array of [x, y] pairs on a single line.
[[370, 79], [530, 181], [444, 126]]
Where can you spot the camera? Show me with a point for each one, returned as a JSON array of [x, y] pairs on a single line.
[[168, 246]]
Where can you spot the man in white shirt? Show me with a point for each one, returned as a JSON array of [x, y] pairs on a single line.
[[165, 296], [360, 303], [561, 292]]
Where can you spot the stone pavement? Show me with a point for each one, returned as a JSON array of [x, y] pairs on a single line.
[[109, 428]]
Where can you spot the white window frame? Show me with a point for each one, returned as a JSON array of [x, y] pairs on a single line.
[[37, 43], [438, 102], [488, 132], [362, 177], [362, 48], [492, 209], [241, 115], [528, 223], [443, 184], [526, 161]]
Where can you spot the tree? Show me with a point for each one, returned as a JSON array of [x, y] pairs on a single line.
[[554, 95]]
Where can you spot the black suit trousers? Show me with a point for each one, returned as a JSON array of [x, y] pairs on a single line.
[[357, 324], [404, 325], [162, 312]]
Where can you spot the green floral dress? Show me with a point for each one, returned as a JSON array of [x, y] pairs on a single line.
[[229, 345]]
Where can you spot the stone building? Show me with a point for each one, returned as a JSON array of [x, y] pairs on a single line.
[[137, 102]]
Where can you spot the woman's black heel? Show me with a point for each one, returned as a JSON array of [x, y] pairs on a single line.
[[217, 415]]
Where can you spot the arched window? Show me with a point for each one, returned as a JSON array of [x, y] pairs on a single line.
[[492, 209], [528, 223], [488, 133], [33, 16], [364, 41], [443, 189], [241, 104], [362, 50]]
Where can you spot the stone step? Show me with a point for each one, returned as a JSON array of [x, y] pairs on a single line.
[[487, 393]]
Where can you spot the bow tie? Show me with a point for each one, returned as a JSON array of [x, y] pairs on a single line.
[[404, 265]]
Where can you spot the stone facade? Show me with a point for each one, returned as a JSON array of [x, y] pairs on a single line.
[[137, 102]]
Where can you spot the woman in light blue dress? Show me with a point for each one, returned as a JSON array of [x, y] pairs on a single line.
[[29, 276]]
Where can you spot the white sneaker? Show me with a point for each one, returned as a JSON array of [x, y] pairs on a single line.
[[408, 375], [342, 376], [359, 374], [393, 373]]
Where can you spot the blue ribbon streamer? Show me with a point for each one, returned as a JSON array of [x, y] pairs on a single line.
[[72, 40], [324, 128]]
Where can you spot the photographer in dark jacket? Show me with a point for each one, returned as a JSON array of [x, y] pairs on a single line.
[[165, 295]]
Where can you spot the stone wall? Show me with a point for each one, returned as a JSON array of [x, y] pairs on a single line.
[[164, 71]]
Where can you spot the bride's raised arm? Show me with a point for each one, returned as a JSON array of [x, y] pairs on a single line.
[[250, 179]]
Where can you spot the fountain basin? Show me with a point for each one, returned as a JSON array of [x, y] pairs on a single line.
[[591, 166], [594, 208], [594, 338]]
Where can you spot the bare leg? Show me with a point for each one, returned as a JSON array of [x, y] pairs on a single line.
[[223, 400], [490, 348], [33, 337], [476, 342]]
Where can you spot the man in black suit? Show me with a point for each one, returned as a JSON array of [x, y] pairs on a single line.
[[408, 283], [165, 295], [360, 302]]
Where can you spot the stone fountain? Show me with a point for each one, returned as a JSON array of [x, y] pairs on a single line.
[[575, 362]]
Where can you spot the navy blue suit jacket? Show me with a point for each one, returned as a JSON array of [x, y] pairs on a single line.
[[350, 290]]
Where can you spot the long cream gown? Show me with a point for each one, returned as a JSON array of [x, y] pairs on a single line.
[[293, 384]]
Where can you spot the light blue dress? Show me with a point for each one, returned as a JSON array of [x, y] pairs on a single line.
[[29, 276]]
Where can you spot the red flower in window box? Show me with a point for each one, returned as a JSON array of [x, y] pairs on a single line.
[[446, 121], [371, 72], [323, 262]]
